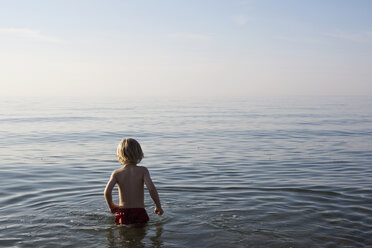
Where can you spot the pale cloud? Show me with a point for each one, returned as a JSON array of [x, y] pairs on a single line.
[[300, 39], [240, 20], [360, 37], [191, 36], [30, 34]]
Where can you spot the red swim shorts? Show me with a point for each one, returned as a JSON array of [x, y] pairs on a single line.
[[128, 216]]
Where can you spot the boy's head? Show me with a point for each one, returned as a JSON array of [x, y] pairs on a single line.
[[129, 151]]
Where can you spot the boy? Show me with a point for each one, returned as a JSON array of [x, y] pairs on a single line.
[[130, 179]]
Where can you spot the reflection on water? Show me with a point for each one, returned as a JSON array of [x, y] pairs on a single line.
[[129, 237], [126, 237], [230, 173]]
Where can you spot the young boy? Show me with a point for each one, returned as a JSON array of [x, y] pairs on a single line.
[[130, 179]]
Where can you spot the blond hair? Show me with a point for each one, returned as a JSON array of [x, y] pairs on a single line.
[[129, 151]]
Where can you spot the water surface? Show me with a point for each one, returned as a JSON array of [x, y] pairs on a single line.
[[241, 172]]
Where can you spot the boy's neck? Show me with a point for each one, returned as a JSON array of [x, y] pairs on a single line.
[[130, 164]]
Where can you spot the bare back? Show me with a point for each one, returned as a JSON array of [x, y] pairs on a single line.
[[130, 180]]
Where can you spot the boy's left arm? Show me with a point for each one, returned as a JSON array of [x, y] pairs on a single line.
[[108, 193]]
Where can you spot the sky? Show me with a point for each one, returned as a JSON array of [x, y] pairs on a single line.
[[185, 47]]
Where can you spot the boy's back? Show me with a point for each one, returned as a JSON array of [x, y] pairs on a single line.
[[130, 180]]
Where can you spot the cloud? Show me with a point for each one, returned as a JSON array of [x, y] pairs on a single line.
[[360, 37], [299, 39], [240, 20], [31, 34], [191, 36]]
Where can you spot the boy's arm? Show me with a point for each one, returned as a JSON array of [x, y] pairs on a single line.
[[153, 192], [108, 193]]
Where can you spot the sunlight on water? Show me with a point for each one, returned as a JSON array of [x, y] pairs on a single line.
[[282, 172]]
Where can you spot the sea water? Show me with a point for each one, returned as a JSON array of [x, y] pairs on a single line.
[[230, 172]]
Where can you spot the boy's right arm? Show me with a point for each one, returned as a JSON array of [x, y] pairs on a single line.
[[153, 192], [108, 193]]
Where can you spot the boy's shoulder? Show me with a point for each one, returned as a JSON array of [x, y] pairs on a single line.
[[143, 168], [117, 171], [114, 172]]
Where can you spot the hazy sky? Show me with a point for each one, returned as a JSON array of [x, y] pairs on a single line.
[[175, 47]]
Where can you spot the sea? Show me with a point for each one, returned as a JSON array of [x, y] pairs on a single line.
[[230, 171]]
